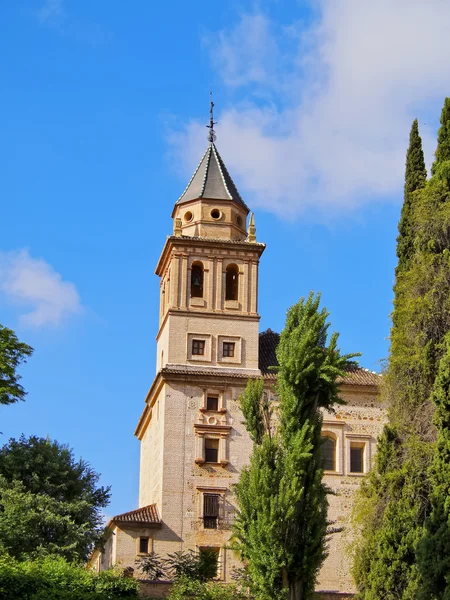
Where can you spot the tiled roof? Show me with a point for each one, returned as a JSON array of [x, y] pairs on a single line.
[[268, 342], [205, 371], [212, 180], [147, 515]]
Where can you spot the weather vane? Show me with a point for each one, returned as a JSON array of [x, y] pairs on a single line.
[[212, 133]]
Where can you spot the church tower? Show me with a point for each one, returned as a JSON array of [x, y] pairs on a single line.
[[193, 443]]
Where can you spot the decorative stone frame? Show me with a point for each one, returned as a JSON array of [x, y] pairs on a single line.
[[206, 357], [233, 339], [201, 491], [219, 392], [364, 441], [198, 302], [215, 432], [335, 430]]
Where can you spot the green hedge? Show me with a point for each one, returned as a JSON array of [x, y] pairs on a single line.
[[55, 579]]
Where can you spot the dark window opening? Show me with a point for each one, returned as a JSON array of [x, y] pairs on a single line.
[[228, 349], [210, 510], [211, 450], [143, 545], [197, 280], [215, 213], [212, 403], [328, 454], [356, 459], [232, 283], [198, 347], [210, 562]]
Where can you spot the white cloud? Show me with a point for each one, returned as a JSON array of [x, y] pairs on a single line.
[[324, 113], [51, 12], [33, 284]]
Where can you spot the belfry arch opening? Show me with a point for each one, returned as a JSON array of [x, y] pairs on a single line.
[[197, 280], [232, 283]]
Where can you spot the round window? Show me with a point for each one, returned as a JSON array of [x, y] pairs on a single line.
[[188, 216], [239, 220], [215, 213]]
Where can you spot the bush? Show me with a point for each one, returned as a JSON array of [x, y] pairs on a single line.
[[56, 579], [185, 589]]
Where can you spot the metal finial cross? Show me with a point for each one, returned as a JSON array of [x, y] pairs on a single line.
[[212, 134]]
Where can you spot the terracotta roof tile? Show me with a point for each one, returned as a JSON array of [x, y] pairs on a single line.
[[268, 342], [145, 515]]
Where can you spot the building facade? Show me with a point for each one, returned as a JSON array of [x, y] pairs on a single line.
[[193, 441]]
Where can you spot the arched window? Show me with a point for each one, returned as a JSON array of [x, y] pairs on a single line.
[[232, 283], [328, 453], [197, 280]]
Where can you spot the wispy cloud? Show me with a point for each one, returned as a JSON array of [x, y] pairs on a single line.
[[37, 290], [324, 110], [51, 12]]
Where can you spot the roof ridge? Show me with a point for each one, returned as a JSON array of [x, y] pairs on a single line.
[[195, 173], [217, 155], [205, 176], [223, 167]]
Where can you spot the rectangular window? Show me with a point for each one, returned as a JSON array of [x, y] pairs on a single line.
[[143, 545], [198, 347], [328, 453], [212, 403], [210, 561], [228, 349], [356, 458], [210, 510], [211, 450]]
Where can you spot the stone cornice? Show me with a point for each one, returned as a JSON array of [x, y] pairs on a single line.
[[209, 244]]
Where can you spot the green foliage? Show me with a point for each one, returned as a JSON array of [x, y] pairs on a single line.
[[281, 526], [415, 179], [12, 354], [185, 588], [49, 502], [187, 565], [393, 557], [434, 548], [442, 154], [55, 579]]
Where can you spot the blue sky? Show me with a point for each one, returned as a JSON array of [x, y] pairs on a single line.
[[103, 107]]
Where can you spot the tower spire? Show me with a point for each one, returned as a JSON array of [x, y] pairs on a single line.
[[212, 133]]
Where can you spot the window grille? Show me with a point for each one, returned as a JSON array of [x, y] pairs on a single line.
[[228, 349], [198, 347], [210, 510]]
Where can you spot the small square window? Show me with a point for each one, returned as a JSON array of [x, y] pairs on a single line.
[[356, 458], [211, 450], [198, 347], [228, 349], [212, 403], [143, 545]]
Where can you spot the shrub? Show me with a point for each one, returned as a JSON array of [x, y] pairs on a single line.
[[55, 579]]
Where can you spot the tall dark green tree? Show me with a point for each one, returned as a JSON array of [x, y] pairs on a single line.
[[282, 520], [12, 354], [415, 179], [396, 498], [50, 503]]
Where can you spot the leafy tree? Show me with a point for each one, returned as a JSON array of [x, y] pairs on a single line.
[[281, 525], [396, 498], [49, 502], [12, 354]]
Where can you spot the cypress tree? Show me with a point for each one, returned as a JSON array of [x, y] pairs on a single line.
[[396, 497], [281, 525], [442, 153], [415, 178]]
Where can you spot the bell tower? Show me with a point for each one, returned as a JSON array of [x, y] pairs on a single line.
[[209, 276]]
